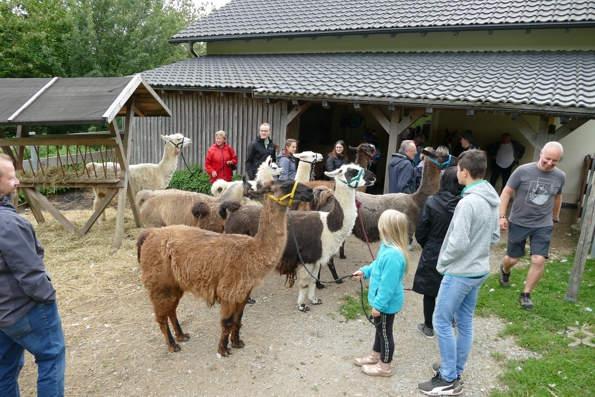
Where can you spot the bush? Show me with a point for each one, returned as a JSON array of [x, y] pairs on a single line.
[[195, 180]]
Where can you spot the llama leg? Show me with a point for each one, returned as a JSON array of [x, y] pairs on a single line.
[[164, 306], [237, 325], [169, 339], [331, 267], [312, 287], [180, 335], [303, 280], [226, 319], [342, 251]]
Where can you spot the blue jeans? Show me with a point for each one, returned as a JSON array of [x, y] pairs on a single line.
[[457, 298], [40, 333]]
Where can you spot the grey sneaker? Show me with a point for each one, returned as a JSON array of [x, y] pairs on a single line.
[[526, 301], [427, 332], [440, 387], [436, 368], [504, 277]]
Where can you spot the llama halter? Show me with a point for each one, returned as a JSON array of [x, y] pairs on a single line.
[[444, 165], [354, 180], [283, 200]]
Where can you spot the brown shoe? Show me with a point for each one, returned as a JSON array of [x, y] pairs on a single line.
[[378, 369], [371, 358]]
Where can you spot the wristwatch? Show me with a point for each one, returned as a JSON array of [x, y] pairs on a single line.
[[502, 216]]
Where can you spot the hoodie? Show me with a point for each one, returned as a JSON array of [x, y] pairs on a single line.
[[473, 230]]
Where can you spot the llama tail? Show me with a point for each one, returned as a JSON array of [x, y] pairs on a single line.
[[227, 207], [145, 234]]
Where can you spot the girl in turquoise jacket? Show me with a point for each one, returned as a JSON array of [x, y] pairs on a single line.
[[385, 292]]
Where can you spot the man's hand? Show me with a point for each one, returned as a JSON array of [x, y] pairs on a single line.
[[503, 223]]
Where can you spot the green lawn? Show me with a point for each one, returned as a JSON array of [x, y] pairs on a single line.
[[561, 371]]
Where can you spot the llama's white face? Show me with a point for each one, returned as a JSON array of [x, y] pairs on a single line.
[[310, 157], [178, 140], [273, 168]]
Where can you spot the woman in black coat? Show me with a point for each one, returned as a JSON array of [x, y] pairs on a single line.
[[337, 157], [432, 225]]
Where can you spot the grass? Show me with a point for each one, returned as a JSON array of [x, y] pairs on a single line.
[[560, 371]]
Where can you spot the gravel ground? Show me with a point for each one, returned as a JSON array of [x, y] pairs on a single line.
[[115, 348]]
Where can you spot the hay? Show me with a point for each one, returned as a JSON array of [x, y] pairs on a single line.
[[55, 176]]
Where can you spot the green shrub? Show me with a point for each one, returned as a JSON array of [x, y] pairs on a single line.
[[195, 180]]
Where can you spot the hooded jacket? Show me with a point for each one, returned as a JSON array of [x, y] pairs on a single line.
[[432, 225], [400, 174], [24, 281], [386, 292], [216, 160], [257, 153], [288, 165], [474, 228]]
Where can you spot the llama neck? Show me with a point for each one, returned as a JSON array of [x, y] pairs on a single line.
[[272, 230], [303, 172], [362, 160], [430, 182], [169, 163], [345, 197]]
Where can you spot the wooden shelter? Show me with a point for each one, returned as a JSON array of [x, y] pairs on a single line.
[[57, 101]]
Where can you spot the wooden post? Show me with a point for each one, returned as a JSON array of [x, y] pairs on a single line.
[[542, 137], [123, 160], [130, 110], [582, 250]]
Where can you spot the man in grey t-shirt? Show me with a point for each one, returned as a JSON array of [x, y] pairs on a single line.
[[536, 207]]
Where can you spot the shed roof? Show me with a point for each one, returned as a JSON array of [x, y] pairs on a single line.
[[243, 19], [75, 100], [552, 81]]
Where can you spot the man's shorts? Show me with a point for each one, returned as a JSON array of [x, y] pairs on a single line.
[[539, 240]]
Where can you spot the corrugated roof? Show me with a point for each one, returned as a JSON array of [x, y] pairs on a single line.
[[256, 17], [544, 79]]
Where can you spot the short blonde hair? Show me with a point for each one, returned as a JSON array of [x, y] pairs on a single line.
[[220, 133], [266, 125], [392, 226]]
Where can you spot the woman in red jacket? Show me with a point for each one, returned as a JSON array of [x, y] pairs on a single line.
[[220, 159]]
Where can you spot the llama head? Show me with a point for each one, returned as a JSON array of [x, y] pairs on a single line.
[[269, 169], [366, 149], [281, 191], [177, 140], [440, 159], [353, 176], [309, 157]]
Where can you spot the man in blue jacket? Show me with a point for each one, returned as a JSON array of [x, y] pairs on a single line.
[[400, 169], [29, 318]]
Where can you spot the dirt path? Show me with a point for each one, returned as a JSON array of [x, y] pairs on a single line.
[[114, 347]]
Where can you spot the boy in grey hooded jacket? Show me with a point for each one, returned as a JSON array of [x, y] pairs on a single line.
[[464, 262]]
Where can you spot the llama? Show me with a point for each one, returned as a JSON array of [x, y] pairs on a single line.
[[160, 208], [267, 171], [409, 204], [211, 216], [319, 234], [216, 267], [142, 176]]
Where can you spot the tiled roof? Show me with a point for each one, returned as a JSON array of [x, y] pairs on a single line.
[[544, 79], [258, 17]]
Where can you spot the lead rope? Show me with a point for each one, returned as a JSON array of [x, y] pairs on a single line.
[[358, 204]]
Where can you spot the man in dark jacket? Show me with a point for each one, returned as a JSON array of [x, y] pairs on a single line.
[[400, 169], [258, 150], [466, 143], [505, 155], [29, 318]]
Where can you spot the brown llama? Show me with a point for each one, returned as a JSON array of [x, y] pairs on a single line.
[[220, 268]]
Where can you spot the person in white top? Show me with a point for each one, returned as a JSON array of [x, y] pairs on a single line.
[[505, 155]]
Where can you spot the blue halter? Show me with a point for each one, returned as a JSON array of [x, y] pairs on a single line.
[[444, 165]]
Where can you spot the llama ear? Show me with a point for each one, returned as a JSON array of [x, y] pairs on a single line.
[[164, 138], [353, 148], [269, 160], [332, 174]]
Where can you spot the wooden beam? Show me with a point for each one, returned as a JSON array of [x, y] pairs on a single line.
[[139, 110], [525, 129], [296, 111], [582, 249], [52, 140], [129, 138], [392, 144], [35, 210], [43, 201], [415, 115], [86, 183], [102, 206], [541, 138], [380, 117], [567, 128]]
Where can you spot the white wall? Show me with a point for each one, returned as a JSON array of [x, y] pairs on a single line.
[[578, 144]]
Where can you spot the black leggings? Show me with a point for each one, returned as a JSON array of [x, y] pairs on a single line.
[[383, 341], [429, 304]]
